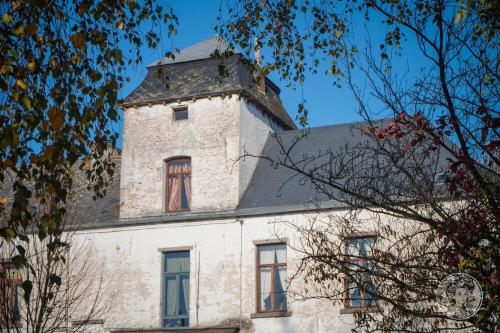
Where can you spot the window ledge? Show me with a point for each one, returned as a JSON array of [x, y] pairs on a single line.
[[275, 314], [369, 309]]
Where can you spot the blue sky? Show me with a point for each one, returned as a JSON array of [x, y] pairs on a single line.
[[327, 104]]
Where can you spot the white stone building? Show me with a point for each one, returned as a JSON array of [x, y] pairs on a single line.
[[192, 236], [195, 223]]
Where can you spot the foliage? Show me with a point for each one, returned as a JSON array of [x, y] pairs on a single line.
[[448, 107], [68, 289], [61, 67]]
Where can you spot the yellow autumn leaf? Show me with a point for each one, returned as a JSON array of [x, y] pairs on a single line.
[[86, 165], [3, 201], [21, 84], [6, 18], [32, 66], [459, 16], [120, 25]]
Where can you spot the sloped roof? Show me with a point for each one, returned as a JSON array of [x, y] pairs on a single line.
[[82, 208], [201, 50], [273, 186], [195, 75]]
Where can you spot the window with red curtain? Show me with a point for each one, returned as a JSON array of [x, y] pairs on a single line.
[[178, 182]]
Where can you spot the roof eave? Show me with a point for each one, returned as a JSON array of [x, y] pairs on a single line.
[[242, 92]]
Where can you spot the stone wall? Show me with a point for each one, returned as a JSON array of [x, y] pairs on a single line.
[[254, 132], [210, 137], [218, 131]]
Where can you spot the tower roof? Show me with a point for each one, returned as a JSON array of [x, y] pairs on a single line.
[[195, 74], [201, 50]]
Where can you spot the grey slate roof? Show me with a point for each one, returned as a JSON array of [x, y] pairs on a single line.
[[82, 208], [85, 210], [277, 186], [272, 190], [195, 75], [202, 50]]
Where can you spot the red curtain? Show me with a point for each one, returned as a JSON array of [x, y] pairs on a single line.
[[179, 175]]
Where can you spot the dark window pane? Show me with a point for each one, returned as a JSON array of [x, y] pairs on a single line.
[[184, 295], [181, 115], [16, 314], [184, 199], [354, 296], [177, 322]]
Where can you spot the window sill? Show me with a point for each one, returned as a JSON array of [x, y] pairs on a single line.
[[274, 314], [368, 309]]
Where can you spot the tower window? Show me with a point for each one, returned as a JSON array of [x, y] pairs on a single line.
[[178, 182], [180, 112]]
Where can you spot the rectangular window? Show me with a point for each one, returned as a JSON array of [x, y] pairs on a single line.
[[10, 280], [361, 291], [176, 289], [180, 112], [178, 185], [271, 278]]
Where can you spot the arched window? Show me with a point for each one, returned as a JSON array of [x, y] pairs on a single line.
[[178, 183]]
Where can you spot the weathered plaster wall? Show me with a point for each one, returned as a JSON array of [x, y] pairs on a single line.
[[254, 132], [223, 252], [218, 131], [210, 137]]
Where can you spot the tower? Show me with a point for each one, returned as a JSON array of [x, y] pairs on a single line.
[[185, 112]]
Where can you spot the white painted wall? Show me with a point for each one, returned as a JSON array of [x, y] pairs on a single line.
[[224, 251]]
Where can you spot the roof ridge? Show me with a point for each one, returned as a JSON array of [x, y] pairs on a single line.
[[339, 124], [197, 51]]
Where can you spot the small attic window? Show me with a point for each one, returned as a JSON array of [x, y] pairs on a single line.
[[180, 112]]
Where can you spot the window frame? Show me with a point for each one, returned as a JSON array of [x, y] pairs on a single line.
[[179, 108], [358, 262], [164, 274], [15, 283], [274, 268], [179, 176]]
